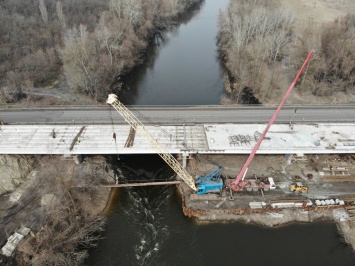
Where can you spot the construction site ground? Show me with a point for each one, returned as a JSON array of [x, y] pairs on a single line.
[[326, 176]]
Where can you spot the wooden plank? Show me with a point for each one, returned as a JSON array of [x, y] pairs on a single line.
[[287, 200], [339, 178], [349, 199], [204, 197], [144, 184]]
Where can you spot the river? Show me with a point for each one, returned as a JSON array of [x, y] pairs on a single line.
[[146, 225], [182, 69]]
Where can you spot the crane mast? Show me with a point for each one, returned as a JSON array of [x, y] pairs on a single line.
[[139, 127], [236, 185]]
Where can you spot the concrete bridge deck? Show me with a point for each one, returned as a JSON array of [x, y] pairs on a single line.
[[323, 138]]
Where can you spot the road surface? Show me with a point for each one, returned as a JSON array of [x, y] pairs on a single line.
[[178, 115]]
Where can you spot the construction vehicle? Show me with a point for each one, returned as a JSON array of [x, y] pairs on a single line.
[[210, 183], [238, 184], [207, 184], [258, 183], [298, 187], [140, 128]]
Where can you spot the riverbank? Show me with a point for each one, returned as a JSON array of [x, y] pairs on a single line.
[[275, 218], [260, 66], [277, 207], [89, 56], [62, 203]]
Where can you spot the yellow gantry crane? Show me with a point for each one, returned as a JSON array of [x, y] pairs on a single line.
[[139, 127]]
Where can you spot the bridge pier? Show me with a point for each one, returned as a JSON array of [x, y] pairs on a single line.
[[184, 159], [288, 158], [78, 159]]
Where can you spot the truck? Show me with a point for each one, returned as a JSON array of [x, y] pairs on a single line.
[[256, 183], [210, 183], [298, 187]]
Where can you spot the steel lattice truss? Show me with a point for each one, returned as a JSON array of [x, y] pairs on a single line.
[[139, 127]]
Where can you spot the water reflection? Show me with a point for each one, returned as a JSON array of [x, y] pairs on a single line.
[[183, 68]]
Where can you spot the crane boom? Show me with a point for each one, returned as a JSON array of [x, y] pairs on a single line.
[[139, 127], [235, 185]]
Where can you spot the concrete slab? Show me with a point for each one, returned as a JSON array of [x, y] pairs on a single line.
[[281, 139], [38, 139], [206, 138]]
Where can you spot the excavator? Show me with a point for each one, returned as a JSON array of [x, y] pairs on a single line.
[[239, 183], [210, 183], [298, 187]]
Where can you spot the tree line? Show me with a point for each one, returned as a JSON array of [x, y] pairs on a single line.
[[90, 42], [262, 50]]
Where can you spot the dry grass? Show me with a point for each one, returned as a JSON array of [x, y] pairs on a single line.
[[319, 11]]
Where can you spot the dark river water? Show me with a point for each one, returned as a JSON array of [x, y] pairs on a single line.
[[146, 226], [183, 69]]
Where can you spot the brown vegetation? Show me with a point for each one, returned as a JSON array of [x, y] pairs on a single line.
[[332, 69], [263, 50], [92, 42], [67, 222], [254, 38]]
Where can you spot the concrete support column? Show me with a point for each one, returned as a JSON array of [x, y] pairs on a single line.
[[78, 159], [288, 158], [184, 159]]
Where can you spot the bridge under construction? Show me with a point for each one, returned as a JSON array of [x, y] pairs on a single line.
[[324, 138]]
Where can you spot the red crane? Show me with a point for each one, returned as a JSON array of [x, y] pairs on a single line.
[[238, 183]]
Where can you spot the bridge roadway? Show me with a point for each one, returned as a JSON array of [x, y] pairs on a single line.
[[179, 115], [180, 130]]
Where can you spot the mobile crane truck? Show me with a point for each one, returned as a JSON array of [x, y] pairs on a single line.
[[239, 183]]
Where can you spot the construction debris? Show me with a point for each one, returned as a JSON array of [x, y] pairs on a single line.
[[14, 240], [130, 139]]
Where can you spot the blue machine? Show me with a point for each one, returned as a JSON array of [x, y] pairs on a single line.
[[211, 183]]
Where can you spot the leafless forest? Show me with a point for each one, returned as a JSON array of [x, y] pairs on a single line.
[[89, 42], [63, 207], [263, 50]]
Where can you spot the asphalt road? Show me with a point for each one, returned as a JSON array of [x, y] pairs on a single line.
[[179, 115]]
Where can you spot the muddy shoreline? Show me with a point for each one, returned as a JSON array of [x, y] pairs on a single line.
[[222, 209], [275, 218]]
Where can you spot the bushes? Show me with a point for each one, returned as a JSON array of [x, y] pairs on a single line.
[[254, 37], [332, 68], [94, 59], [255, 40], [62, 207], [96, 40]]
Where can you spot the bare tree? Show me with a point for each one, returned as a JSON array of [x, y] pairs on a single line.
[[60, 14], [109, 38], [116, 6], [76, 54], [280, 41], [43, 9], [253, 33], [133, 11], [130, 10]]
